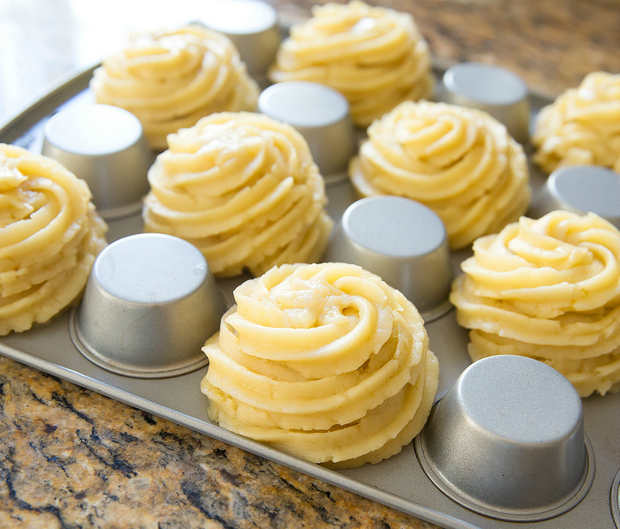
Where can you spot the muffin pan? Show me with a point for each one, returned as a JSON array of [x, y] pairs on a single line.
[[572, 481]]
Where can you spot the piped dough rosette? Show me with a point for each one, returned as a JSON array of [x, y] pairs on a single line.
[[324, 361], [171, 79], [375, 57], [459, 162], [548, 289], [49, 238], [582, 126], [242, 188]]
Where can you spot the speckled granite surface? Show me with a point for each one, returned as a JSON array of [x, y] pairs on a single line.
[[72, 458]]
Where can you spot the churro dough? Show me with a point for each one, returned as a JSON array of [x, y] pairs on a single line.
[[548, 289], [242, 188], [582, 126], [460, 162], [374, 56], [324, 361], [50, 235], [170, 79]]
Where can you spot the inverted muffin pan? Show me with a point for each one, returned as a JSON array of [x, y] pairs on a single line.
[[472, 466]]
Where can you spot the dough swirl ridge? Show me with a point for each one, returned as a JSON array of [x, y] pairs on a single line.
[[242, 188], [50, 235], [548, 289], [582, 126], [171, 79], [374, 56], [324, 361], [460, 162]]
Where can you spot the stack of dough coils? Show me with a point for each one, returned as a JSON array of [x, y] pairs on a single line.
[[324, 361]]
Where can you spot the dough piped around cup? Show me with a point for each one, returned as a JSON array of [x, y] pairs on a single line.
[[374, 56], [548, 289], [50, 235], [242, 188], [582, 126], [171, 79], [460, 162], [323, 361]]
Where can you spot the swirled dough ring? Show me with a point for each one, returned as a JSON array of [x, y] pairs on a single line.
[[582, 126], [49, 238], [375, 57], [324, 361], [460, 162], [169, 80], [548, 289], [244, 190]]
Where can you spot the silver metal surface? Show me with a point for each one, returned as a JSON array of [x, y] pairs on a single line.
[[403, 242], [508, 441], [320, 114], [105, 146], [615, 499], [149, 306], [400, 481], [498, 91], [580, 188], [252, 25]]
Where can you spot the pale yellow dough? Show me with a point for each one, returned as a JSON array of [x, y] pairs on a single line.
[[460, 162], [548, 289], [324, 361], [374, 56], [582, 126], [50, 235], [242, 188], [171, 79]]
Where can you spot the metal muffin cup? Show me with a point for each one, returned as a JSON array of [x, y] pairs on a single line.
[[105, 146], [403, 242], [321, 115], [615, 500], [507, 441], [493, 89], [252, 26], [149, 306], [580, 189]]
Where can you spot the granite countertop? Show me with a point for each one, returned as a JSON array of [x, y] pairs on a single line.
[[72, 458]]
